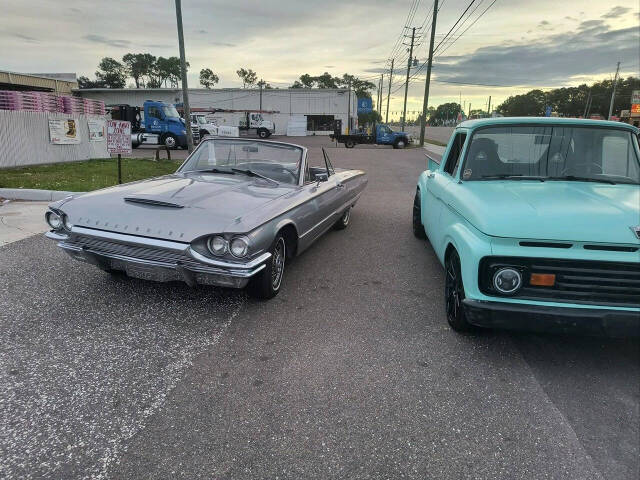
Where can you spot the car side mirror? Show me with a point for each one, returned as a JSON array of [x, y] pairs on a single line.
[[432, 163], [321, 177]]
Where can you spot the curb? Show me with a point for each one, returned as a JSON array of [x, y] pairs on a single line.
[[33, 194]]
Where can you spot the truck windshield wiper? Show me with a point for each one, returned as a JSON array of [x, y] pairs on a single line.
[[212, 170], [583, 179], [251, 173], [517, 176]]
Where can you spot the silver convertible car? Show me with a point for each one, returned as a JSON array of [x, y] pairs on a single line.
[[230, 216]]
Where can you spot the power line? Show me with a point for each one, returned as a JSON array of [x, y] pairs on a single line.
[[471, 25], [454, 25]]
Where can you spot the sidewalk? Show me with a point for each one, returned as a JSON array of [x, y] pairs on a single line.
[[20, 220], [435, 149]]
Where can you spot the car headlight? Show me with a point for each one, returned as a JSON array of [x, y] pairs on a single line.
[[54, 220], [239, 247], [66, 223], [507, 280], [217, 245]]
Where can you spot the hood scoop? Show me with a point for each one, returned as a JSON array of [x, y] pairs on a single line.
[[152, 201]]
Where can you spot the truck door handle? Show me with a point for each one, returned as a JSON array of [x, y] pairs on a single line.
[[431, 174]]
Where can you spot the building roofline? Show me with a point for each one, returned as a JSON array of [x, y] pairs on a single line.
[[266, 90]]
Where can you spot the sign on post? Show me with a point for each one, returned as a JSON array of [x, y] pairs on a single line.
[[119, 137], [635, 97]]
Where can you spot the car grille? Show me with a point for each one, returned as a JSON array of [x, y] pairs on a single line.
[[155, 254], [577, 281]]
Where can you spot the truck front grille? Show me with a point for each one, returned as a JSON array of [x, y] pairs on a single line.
[[576, 281]]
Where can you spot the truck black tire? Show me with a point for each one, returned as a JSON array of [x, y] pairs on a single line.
[[349, 143], [170, 141], [400, 143], [263, 133]]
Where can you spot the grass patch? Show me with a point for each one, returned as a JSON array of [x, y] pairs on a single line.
[[85, 175], [435, 142]]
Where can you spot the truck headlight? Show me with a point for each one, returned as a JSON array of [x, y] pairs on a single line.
[[507, 280], [239, 247], [53, 219], [217, 245]]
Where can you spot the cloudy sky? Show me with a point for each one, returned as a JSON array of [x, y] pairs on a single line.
[[515, 45]]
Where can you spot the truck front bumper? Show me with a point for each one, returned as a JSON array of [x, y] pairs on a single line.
[[521, 316]]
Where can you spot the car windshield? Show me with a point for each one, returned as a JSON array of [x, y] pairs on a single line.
[[170, 111], [553, 153], [276, 161]]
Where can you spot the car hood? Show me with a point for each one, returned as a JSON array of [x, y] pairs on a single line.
[[551, 210], [174, 207]]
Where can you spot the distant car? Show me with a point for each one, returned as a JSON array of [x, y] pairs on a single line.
[[231, 215], [537, 223]]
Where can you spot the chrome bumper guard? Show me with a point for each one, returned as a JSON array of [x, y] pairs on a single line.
[[181, 263]]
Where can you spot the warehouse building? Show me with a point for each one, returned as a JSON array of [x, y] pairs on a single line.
[[58, 83], [285, 107]]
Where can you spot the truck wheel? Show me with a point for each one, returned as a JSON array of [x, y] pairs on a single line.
[[170, 141], [349, 144], [454, 294], [263, 133], [400, 143], [418, 228]]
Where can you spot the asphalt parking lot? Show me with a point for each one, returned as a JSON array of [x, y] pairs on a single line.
[[350, 372]]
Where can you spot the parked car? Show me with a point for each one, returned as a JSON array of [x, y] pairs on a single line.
[[230, 216], [537, 223]]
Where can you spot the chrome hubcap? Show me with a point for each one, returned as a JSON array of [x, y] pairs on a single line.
[[346, 216], [277, 265], [170, 142]]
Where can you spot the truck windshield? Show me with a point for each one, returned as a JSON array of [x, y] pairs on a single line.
[[201, 120], [277, 161], [555, 152], [170, 111]]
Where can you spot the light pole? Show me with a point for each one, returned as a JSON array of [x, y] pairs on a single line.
[[183, 74]]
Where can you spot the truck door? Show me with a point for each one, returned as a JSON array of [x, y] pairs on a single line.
[[383, 135], [154, 119]]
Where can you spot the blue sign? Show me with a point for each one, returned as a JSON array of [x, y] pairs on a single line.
[[547, 111], [365, 105]]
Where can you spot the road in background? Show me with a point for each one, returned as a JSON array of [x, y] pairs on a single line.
[[350, 372]]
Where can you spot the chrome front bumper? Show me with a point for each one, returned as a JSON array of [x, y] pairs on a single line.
[[156, 260]]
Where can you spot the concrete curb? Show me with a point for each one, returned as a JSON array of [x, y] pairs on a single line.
[[35, 194]]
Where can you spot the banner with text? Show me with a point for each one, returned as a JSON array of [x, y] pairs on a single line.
[[63, 131]]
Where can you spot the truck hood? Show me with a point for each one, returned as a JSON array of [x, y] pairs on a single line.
[[553, 210], [173, 207]]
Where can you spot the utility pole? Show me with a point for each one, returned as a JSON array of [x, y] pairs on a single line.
[[613, 93], [260, 84], [489, 107], [425, 102], [349, 111], [380, 93], [183, 74], [406, 85], [386, 120]]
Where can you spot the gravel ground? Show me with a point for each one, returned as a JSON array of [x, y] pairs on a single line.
[[350, 372]]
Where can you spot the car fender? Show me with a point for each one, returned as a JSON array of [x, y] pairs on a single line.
[[471, 245]]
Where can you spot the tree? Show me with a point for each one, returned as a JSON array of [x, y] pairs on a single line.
[[85, 82], [111, 73], [207, 78], [248, 77], [263, 84], [445, 112], [166, 70], [326, 81], [369, 118], [532, 103], [361, 87], [139, 66]]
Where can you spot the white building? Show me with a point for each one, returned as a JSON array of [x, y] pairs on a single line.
[[318, 106]]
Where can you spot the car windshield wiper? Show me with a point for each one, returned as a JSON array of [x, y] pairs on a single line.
[[517, 176], [583, 179], [251, 173], [212, 170]]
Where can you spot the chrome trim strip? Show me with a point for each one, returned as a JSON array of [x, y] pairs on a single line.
[[222, 264], [235, 272], [125, 238], [55, 236]]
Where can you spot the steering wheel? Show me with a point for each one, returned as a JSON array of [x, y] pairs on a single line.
[[294, 176], [571, 167]]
